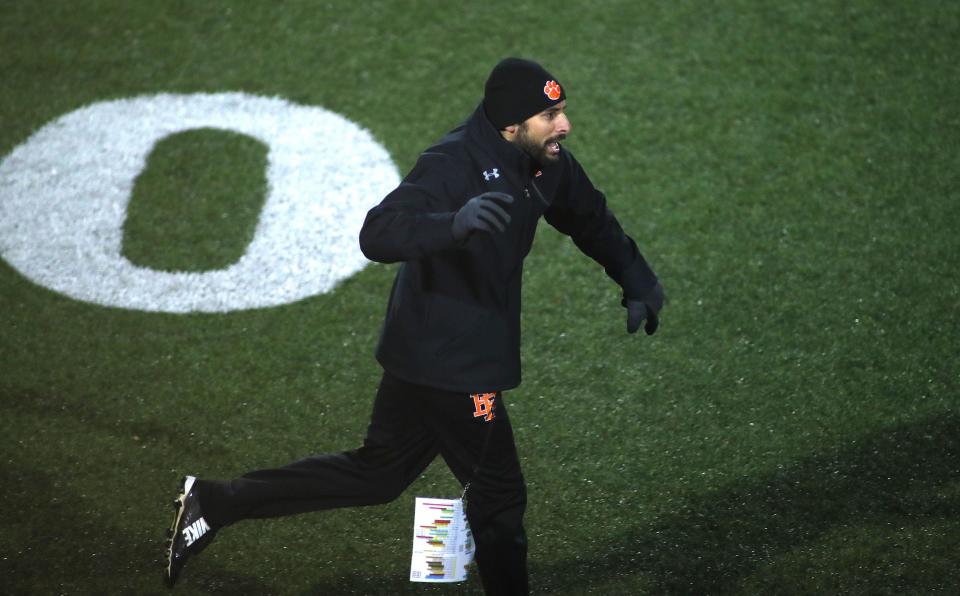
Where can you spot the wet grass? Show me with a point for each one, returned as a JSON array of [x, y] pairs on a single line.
[[790, 170]]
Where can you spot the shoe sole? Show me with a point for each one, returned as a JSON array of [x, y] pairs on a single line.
[[179, 502]]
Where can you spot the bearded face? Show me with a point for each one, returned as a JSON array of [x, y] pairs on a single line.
[[540, 135]]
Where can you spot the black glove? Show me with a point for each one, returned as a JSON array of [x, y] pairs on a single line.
[[648, 308], [482, 213]]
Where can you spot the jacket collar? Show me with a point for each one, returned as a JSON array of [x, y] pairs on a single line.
[[514, 161]]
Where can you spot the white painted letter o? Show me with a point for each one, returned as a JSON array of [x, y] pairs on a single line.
[[64, 195]]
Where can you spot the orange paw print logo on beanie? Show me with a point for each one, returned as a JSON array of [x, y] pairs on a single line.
[[552, 90]]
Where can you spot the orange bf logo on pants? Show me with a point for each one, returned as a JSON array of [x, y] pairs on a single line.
[[483, 405]]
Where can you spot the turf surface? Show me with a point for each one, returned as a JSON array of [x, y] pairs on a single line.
[[790, 169]]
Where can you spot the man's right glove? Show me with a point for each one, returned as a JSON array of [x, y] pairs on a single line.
[[482, 213], [648, 308]]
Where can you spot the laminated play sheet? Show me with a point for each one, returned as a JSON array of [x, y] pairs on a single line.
[[442, 544]]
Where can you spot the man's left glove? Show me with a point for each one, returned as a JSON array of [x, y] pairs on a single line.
[[648, 308]]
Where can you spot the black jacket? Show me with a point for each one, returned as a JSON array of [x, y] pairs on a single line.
[[453, 320]]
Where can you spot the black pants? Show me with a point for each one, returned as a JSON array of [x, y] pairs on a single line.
[[409, 426]]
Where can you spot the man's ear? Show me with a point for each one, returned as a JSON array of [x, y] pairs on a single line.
[[509, 131]]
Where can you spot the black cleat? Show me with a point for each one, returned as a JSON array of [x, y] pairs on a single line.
[[190, 532]]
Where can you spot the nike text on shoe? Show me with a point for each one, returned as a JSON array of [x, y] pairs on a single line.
[[189, 534]]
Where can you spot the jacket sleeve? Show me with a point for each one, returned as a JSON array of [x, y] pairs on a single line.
[[415, 219], [580, 211]]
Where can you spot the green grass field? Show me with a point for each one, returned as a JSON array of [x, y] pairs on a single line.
[[792, 171]]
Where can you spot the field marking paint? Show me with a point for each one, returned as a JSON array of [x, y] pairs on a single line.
[[64, 194]]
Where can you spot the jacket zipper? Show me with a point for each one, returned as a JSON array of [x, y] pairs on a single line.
[[546, 205]]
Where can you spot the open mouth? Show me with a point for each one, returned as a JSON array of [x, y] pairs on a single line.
[[553, 145]]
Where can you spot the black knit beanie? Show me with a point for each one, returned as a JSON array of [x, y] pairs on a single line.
[[518, 89]]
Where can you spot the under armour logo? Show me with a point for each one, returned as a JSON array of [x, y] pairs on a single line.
[[483, 405], [494, 173]]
